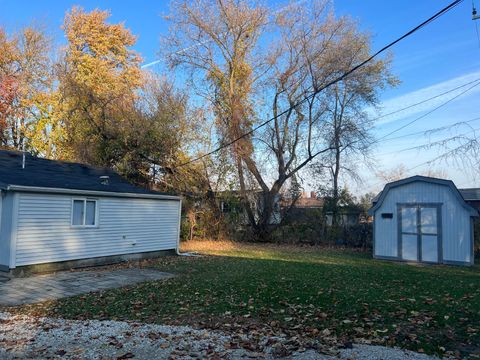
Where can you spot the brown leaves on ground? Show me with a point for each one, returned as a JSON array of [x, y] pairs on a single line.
[[298, 298]]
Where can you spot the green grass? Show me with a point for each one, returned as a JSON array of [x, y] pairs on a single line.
[[310, 292]]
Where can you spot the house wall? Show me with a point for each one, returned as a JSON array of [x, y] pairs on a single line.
[[125, 225], [456, 223], [6, 218]]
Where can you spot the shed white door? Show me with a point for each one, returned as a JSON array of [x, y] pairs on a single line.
[[429, 234], [409, 233], [420, 233]]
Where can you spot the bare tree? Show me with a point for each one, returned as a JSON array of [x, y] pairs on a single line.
[[223, 44], [346, 125]]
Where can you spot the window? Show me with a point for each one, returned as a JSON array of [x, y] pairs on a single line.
[[84, 212]]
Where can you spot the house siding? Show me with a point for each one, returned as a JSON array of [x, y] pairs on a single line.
[[456, 223], [125, 226]]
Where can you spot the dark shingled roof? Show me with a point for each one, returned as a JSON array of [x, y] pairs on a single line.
[[470, 194], [46, 173]]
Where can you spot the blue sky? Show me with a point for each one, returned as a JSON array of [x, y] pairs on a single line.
[[440, 57]]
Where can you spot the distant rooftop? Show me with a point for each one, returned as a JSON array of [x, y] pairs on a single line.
[[472, 194], [309, 200]]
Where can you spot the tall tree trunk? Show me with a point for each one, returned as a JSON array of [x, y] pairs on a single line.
[[335, 194], [244, 195]]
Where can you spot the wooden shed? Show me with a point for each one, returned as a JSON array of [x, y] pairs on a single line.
[[423, 219]]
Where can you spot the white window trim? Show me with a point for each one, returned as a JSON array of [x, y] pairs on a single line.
[[84, 199]]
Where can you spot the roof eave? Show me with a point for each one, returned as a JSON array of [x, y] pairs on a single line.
[[449, 183], [38, 189]]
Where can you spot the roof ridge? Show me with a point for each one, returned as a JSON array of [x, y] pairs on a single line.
[[59, 174]]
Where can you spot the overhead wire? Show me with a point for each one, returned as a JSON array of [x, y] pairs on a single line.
[[386, 137], [427, 113], [315, 92], [431, 130], [425, 101], [428, 162], [423, 146]]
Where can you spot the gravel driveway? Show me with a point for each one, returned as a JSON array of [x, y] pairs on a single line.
[[39, 338]]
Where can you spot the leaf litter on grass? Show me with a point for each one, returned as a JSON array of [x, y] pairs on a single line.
[[318, 298]]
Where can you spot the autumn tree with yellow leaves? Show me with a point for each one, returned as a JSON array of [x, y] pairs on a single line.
[[112, 113], [252, 63], [98, 79], [94, 104], [25, 81]]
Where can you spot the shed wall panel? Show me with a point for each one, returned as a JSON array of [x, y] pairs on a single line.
[[385, 233], [456, 240], [125, 226]]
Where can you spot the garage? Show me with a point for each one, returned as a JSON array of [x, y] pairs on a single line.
[[70, 215]]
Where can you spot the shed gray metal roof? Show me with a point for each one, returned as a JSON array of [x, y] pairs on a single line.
[[377, 201], [471, 194], [44, 173]]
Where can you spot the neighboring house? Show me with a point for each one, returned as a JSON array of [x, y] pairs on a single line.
[[346, 217], [55, 211], [309, 202], [423, 219], [308, 206], [306, 209], [472, 197]]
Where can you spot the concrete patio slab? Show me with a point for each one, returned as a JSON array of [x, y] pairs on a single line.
[[18, 291]]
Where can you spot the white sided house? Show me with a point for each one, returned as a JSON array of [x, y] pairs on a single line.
[[73, 214], [423, 219]]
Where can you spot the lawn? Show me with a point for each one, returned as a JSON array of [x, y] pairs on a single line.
[[309, 294]]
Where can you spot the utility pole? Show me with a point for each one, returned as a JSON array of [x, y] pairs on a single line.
[[475, 16]]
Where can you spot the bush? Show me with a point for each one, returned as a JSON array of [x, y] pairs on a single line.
[[358, 236], [317, 233]]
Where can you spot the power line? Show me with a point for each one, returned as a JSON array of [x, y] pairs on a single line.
[[428, 130], [422, 146], [340, 78], [424, 101], [426, 114], [428, 162], [424, 132]]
